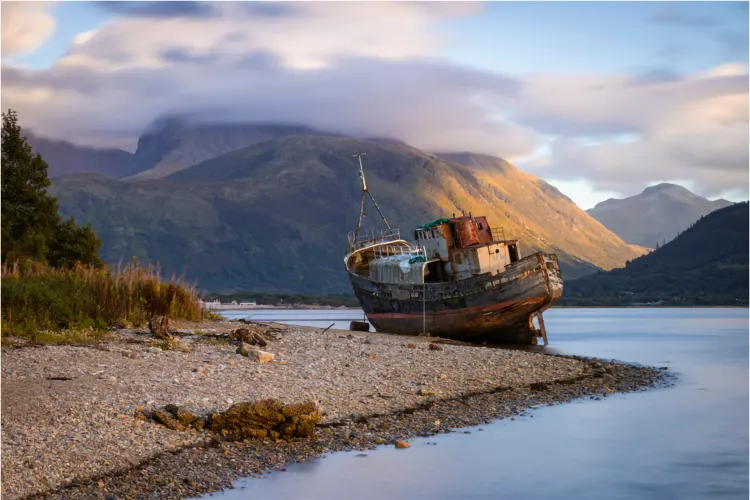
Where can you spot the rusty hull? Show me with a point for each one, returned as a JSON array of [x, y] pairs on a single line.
[[494, 308]]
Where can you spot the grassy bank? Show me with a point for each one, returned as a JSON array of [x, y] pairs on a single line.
[[37, 298]]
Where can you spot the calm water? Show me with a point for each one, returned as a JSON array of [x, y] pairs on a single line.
[[685, 442]]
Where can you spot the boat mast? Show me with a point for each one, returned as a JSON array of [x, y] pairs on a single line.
[[359, 156]]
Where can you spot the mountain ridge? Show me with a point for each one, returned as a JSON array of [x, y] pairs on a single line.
[[677, 274], [654, 216], [172, 144], [64, 157], [267, 217]]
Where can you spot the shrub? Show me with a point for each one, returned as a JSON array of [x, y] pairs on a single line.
[[38, 297]]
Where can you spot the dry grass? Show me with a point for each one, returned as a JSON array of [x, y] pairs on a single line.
[[37, 298]]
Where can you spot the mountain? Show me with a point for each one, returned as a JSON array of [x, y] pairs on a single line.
[[275, 216], [174, 143], [721, 203], [66, 158], [656, 215], [707, 264]]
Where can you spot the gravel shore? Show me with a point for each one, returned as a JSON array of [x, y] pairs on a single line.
[[69, 431]]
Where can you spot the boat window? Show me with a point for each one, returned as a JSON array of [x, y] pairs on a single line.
[[479, 225], [513, 250]]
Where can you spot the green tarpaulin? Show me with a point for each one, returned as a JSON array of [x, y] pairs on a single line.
[[434, 223]]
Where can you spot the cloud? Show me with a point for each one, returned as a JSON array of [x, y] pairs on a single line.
[[426, 103], [371, 69], [678, 16], [594, 104], [305, 35], [162, 9], [693, 129], [25, 26]]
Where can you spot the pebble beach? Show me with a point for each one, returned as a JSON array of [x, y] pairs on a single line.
[[69, 426]]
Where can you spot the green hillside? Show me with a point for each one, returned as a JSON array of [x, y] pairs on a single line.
[[274, 217], [707, 264]]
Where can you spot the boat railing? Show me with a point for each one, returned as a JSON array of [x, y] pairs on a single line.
[[369, 237], [390, 250]]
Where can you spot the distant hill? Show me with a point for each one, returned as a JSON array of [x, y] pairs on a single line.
[[721, 203], [654, 216], [171, 143], [274, 216], [65, 158], [705, 265]]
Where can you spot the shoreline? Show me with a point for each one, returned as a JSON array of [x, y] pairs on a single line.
[[199, 463], [306, 307]]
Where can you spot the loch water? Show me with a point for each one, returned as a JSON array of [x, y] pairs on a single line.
[[688, 441]]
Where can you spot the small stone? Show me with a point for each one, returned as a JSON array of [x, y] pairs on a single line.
[[435, 347], [166, 418], [100, 484], [425, 392], [261, 356], [154, 349], [245, 349], [402, 444], [186, 416], [411, 346], [199, 424]]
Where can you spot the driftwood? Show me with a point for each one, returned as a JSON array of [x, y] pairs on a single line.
[[160, 327]]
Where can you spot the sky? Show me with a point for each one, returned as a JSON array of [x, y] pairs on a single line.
[[601, 99]]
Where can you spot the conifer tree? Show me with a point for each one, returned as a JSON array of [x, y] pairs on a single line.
[[31, 226]]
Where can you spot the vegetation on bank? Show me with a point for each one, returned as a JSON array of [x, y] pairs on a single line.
[[37, 297], [53, 279]]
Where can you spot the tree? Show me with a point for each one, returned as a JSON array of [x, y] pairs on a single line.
[[73, 244], [31, 226], [29, 214]]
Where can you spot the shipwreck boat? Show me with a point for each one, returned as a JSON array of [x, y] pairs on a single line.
[[455, 281]]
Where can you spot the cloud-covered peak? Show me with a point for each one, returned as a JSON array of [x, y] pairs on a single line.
[[379, 69]]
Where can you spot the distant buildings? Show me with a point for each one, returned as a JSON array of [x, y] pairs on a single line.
[[217, 304]]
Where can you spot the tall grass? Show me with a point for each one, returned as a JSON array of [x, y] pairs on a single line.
[[37, 297]]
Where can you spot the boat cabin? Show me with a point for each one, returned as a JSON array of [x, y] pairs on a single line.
[[457, 248], [448, 249]]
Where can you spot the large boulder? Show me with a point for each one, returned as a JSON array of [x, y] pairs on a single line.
[[267, 418]]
